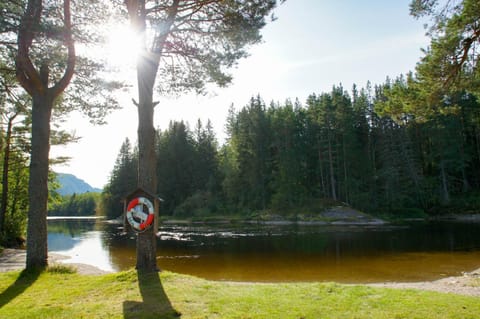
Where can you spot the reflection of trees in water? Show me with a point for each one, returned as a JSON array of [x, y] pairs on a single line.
[[64, 234], [73, 227], [331, 240], [193, 249], [61, 242], [120, 245]]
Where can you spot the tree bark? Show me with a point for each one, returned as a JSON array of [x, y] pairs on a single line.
[[37, 254], [147, 175]]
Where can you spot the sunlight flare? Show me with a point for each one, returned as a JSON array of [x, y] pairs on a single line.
[[123, 46]]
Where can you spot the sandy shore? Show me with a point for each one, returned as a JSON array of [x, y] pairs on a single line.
[[468, 284], [14, 259]]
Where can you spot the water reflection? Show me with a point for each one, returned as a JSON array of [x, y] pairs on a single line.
[[422, 251], [81, 241]]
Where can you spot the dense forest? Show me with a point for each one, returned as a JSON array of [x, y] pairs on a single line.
[[75, 205], [367, 148]]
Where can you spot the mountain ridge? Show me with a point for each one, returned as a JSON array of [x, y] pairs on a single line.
[[70, 184]]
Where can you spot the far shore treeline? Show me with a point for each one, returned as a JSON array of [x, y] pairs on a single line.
[[359, 147], [295, 159]]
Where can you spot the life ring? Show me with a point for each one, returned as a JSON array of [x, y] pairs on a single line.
[[136, 216]]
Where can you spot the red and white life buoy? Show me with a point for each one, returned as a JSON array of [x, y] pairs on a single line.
[[136, 215]]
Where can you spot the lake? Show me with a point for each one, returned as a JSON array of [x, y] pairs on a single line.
[[248, 252]]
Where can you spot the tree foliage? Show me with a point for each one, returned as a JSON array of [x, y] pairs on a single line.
[[76, 205], [193, 43], [361, 148], [123, 179], [452, 60]]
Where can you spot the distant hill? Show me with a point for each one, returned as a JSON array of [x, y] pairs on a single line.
[[70, 184]]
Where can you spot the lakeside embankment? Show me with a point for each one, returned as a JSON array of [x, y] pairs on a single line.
[[339, 215]]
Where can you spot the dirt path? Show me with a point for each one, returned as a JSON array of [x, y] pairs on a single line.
[[468, 284], [14, 259]]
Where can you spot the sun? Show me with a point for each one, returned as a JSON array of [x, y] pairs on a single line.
[[122, 46]]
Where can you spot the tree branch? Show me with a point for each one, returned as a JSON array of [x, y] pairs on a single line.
[[467, 44], [27, 75], [70, 44], [160, 39]]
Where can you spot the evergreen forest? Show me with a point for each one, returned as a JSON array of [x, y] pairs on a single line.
[[367, 148], [84, 204]]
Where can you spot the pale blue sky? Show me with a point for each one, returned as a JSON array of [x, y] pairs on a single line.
[[312, 46]]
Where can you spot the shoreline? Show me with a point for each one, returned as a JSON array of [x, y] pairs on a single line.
[[14, 260], [468, 284], [333, 217]]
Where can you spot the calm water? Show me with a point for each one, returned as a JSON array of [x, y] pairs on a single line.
[[354, 254]]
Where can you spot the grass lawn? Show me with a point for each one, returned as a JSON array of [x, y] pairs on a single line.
[[59, 294]]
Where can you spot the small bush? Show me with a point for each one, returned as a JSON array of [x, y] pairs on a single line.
[[61, 269]]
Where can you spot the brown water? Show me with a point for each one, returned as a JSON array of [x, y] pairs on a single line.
[[350, 254]]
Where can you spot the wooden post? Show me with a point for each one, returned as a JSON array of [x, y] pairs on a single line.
[[125, 215], [156, 207], [146, 233]]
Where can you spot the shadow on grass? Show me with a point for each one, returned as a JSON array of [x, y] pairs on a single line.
[[155, 301], [24, 280]]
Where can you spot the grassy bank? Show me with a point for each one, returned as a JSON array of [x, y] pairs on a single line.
[[127, 295]]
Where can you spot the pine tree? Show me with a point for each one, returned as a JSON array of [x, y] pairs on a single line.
[[451, 63], [193, 44], [175, 165], [123, 179], [289, 156]]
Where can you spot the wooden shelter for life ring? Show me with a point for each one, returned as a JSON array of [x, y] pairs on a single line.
[[141, 211]]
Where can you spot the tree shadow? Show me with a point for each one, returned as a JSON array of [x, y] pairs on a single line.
[[155, 301], [24, 280]]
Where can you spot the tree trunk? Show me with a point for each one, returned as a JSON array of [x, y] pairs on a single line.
[[320, 170], [345, 171], [332, 171], [466, 184], [147, 175], [37, 253], [443, 175], [16, 193], [6, 160]]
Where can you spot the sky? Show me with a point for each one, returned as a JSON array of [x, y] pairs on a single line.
[[312, 46]]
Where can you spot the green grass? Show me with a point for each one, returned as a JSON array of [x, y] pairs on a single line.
[[61, 294]]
